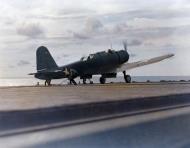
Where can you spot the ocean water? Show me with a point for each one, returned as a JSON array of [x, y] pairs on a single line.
[[32, 81]]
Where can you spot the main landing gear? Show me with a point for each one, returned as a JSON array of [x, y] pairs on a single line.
[[84, 81], [72, 81], [102, 80], [47, 82], [127, 77]]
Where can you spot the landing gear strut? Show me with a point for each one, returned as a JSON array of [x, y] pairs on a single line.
[[102, 80], [47, 82], [72, 81], [127, 77]]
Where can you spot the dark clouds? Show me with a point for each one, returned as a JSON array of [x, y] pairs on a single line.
[[31, 30], [67, 14], [80, 36], [159, 32], [135, 42], [111, 25], [94, 28], [93, 25], [150, 33], [158, 13], [62, 56], [148, 14], [132, 55], [23, 63]]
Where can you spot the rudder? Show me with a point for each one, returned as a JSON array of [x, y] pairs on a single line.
[[44, 60]]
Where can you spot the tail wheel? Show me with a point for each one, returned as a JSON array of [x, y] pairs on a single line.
[[102, 80], [127, 78]]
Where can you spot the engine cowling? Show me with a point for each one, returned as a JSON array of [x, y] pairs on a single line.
[[123, 56]]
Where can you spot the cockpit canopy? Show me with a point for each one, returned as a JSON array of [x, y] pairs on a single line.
[[91, 56], [85, 58]]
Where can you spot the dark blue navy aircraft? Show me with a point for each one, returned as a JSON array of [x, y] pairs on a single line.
[[106, 63]]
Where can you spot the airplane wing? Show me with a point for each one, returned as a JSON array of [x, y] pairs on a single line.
[[128, 66]]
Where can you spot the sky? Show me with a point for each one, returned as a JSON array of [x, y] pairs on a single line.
[[71, 29]]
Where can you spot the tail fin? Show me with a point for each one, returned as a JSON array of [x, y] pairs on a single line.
[[44, 60]]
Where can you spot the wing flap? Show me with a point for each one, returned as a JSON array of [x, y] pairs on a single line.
[[128, 66]]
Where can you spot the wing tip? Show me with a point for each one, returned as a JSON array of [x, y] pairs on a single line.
[[171, 55]]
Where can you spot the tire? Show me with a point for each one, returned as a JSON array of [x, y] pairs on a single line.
[[102, 80], [84, 81], [127, 78]]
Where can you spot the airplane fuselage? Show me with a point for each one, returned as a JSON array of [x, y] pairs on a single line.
[[99, 63]]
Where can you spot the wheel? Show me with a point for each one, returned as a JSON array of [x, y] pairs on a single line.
[[102, 80], [91, 82], [84, 81], [127, 78]]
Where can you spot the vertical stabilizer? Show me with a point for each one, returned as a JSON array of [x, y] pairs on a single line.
[[44, 60]]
